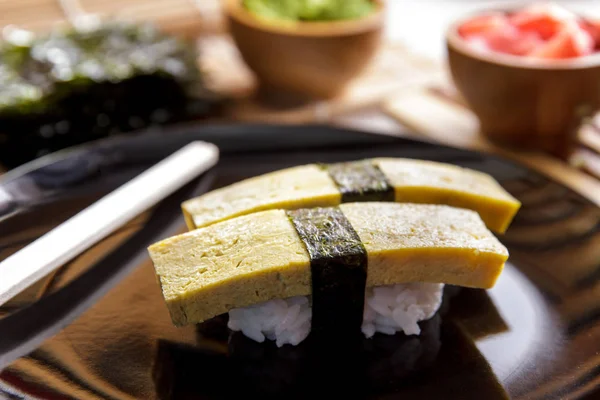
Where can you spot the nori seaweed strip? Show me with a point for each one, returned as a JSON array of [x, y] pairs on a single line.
[[360, 181], [338, 262]]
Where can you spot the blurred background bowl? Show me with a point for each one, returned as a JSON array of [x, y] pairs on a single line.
[[521, 102], [310, 59]]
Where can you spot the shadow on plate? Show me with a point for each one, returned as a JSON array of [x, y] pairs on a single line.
[[441, 362]]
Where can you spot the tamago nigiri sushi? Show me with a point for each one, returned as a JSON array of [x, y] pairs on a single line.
[[356, 267], [378, 179]]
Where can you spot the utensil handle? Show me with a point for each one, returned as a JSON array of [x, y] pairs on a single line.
[[94, 223]]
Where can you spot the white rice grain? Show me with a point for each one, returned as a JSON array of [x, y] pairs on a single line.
[[399, 308], [388, 310]]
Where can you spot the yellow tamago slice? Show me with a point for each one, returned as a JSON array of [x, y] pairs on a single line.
[[413, 181], [258, 257]]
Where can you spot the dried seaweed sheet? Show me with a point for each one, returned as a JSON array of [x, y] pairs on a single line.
[[338, 268], [360, 181]]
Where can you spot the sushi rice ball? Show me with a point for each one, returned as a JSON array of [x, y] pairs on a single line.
[[388, 310]]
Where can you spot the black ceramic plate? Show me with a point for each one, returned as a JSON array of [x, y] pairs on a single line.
[[98, 328]]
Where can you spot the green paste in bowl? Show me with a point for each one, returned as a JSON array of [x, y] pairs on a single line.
[[310, 10]]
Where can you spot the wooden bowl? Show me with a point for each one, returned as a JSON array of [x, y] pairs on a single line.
[[311, 59], [525, 103]]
